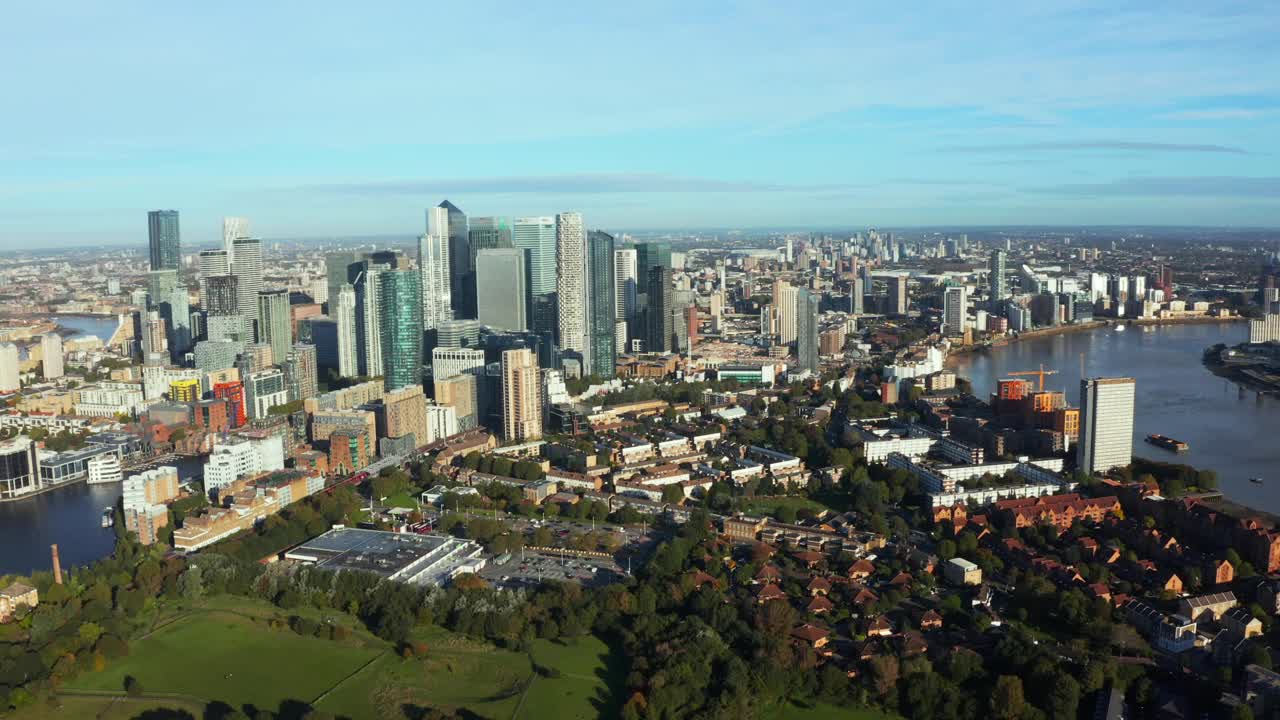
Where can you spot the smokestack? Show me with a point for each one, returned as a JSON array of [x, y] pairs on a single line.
[[57, 566]]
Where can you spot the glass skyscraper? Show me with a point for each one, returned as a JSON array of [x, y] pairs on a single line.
[[400, 294], [165, 242], [537, 236], [275, 327], [601, 310], [807, 329], [459, 261], [501, 291]]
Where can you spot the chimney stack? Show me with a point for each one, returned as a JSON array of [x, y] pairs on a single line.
[[57, 566]]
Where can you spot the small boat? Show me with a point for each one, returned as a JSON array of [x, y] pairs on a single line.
[[1168, 443], [108, 517], [1120, 328], [1256, 481]]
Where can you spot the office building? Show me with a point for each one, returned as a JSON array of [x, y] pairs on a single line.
[[660, 326], [233, 228], [301, 372], [458, 333], [624, 283], [9, 377], [164, 240], [211, 264], [242, 457], [433, 265], [51, 354], [19, 471], [401, 328], [955, 299], [405, 411], [571, 282], [1106, 424], [899, 299], [246, 266], [451, 362], [537, 237], [369, 318], [601, 296], [458, 270], [168, 297], [807, 330], [341, 268], [483, 233], [521, 396], [274, 326], [502, 294]]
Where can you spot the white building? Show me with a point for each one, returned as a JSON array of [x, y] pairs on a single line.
[[109, 399], [156, 379], [452, 362], [624, 283], [344, 314], [571, 281], [105, 469], [233, 228], [246, 265], [51, 350], [954, 301], [433, 264], [264, 390], [1106, 424], [442, 422], [1265, 330], [242, 457]]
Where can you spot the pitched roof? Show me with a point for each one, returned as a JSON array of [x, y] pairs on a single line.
[[810, 633], [770, 592]]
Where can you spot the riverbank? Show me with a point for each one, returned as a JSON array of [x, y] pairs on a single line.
[[1040, 333], [1252, 377]]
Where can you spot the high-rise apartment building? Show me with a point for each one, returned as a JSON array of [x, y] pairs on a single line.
[[344, 316], [785, 296], [246, 265], [1106, 424], [51, 352], [807, 329], [458, 245], [601, 310], [898, 295], [167, 296], [433, 264], [274, 326], [955, 299], [451, 362], [211, 263], [571, 282], [301, 372], [659, 301], [220, 295], [537, 237], [521, 396], [501, 290], [233, 228], [400, 293], [857, 293], [369, 318], [10, 378], [625, 282], [461, 393], [164, 240], [405, 412], [999, 285]]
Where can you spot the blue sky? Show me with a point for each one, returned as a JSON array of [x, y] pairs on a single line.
[[333, 119]]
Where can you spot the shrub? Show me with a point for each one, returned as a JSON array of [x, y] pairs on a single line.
[[132, 686]]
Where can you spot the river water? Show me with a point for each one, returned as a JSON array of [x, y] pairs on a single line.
[[1232, 431], [95, 325]]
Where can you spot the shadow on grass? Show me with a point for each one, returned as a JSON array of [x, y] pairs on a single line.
[[610, 696]]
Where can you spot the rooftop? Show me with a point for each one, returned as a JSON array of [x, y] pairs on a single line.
[[415, 559]]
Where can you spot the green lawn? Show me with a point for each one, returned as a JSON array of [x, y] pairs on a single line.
[[70, 707], [220, 655], [768, 506], [590, 682], [402, 500]]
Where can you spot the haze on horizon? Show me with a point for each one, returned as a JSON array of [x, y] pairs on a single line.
[[316, 120]]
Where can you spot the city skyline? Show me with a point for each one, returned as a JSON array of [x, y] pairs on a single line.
[[1057, 116]]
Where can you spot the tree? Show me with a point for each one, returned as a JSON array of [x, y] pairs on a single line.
[[1064, 697], [884, 673], [1007, 699], [673, 493], [132, 686]]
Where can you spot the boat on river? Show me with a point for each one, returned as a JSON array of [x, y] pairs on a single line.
[[108, 517], [1168, 443]]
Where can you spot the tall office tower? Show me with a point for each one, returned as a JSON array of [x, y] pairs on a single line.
[[274, 327], [452, 362], [601, 303], [996, 276], [369, 318], [789, 257], [458, 333], [521, 396], [433, 266], [344, 316], [537, 237], [340, 268], [955, 298], [51, 351], [787, 312], [660, 326], [168, 297], [233, 228], [1106, 424], [624, 282], [501, 293], [246, 265], [212, 263], [898, 295], [164, 240], [857, 293], [9, 376], [220, 295], [571, 282], [459, 252], [401, 325], [483, 233], [300, 372], [807, 329]]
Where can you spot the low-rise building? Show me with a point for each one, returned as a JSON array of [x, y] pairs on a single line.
[[959, 571]]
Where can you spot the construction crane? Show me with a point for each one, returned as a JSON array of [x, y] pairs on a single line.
[[1041, 372]]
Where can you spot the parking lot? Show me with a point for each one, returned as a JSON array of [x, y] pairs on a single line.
[[530, 568]]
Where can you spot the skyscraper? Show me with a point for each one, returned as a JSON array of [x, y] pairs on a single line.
[[212, 263], [274, 326], [51, 350], [660, 324], [537, 236], [341, 268], [624, 282], [1106, 424], [168, 297], [344, 315], [433, 264], [300, 371], [898, 297], [164, 240], [458, 243], [857, 291], [9, 376], [246, 265], [233, 228], [501, 293], [955, 299], [483, 233], [369, 317], [521, 396], [401, 325], [571, 282], [807, 329], [784, 308], [999, 286], [601, 305]]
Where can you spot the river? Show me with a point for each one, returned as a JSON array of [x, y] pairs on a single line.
[[1230, 430], [102, 327], [69, 516]]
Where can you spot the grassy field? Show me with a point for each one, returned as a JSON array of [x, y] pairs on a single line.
[[401, 500], [71, 707], [768, 506], [589, 685]]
